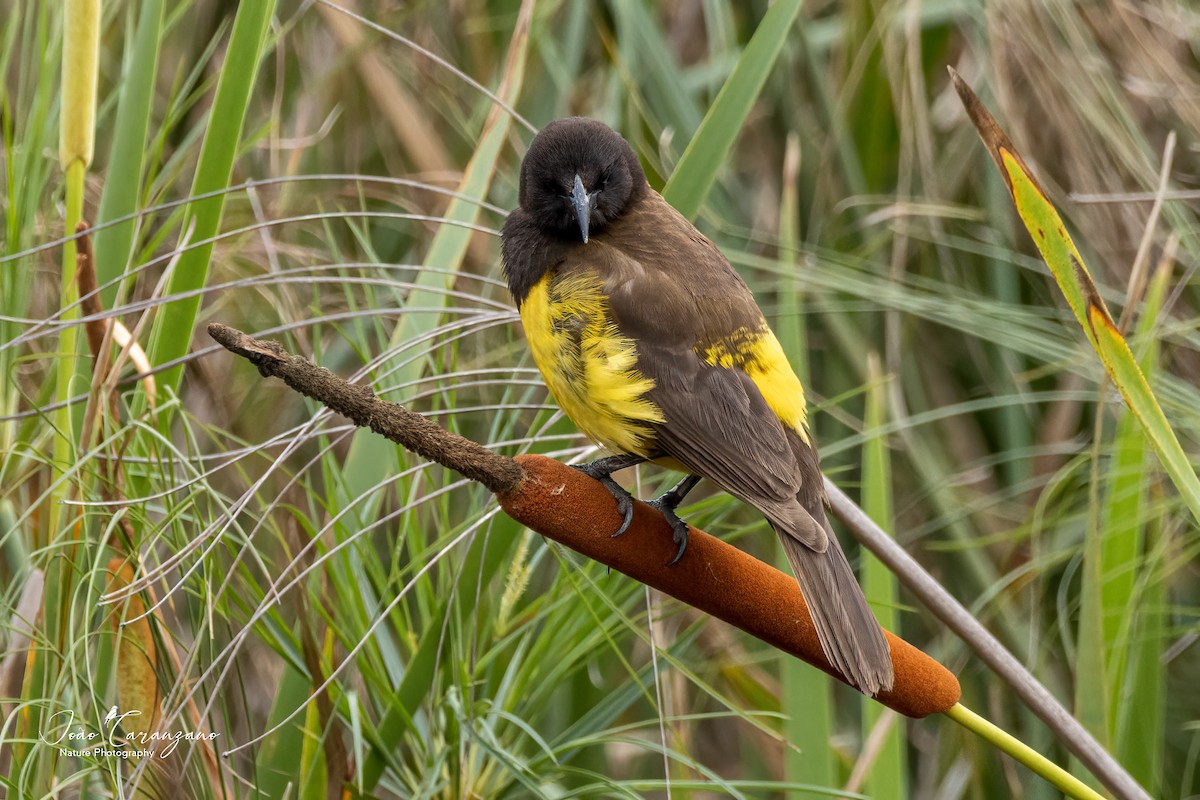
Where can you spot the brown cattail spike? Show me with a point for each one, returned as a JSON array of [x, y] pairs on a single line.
[[712, 576]]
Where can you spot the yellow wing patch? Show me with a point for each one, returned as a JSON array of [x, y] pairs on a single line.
[[759, 354], [588, 365]]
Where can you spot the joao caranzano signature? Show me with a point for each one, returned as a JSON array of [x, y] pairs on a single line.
[[63, 732]]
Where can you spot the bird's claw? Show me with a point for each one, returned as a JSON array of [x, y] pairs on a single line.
[[679, 528], [624, 504], [602, 471]]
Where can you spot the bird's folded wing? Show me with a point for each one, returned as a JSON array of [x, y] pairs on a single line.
[[719, 426], [670, 294]]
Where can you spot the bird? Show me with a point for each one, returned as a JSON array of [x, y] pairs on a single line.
[[653, 345]]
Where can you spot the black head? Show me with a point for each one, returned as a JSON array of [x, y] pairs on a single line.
[[578, 176]]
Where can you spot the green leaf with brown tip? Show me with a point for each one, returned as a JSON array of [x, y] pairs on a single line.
[[1125, 373], [1059, 252]]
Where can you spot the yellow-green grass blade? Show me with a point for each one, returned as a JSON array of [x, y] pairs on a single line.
[[807, 699], [442, 261], [888, 777], [80, 54], [1127, 376], [1092, 706], [172, 333], [126, 161], [1059, 252], [1125, 513], [1133, 591], [1141, 715], [708, 150]]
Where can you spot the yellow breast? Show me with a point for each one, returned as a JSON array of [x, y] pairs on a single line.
[[588, 365]]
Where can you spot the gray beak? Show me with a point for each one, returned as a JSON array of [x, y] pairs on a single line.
[[583, 207]]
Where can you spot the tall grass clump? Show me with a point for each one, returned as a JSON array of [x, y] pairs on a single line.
[[319, 612]]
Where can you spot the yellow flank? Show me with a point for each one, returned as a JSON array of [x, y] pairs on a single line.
[[759, 353], [588, 365]]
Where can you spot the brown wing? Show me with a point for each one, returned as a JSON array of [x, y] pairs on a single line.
[[671, 292]]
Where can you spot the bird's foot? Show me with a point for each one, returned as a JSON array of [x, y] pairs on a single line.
[[602, 470], [666, 503], [679, 529]]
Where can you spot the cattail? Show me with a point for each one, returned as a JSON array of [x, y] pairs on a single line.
[[715, 577], [81, 47]]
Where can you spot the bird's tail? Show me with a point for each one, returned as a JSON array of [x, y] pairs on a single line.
[[849, 633]]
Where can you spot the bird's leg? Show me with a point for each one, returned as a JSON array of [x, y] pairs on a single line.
[[602, 469], [666, 503]]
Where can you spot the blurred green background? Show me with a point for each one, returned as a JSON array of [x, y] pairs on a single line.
[[450, 652]]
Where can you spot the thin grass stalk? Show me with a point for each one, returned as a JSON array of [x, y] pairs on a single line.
[[888, 777], [807, 699]]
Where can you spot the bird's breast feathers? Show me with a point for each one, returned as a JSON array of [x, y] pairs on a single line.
[[589, 365], [604, 384]]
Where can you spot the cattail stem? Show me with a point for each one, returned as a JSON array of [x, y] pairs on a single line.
[[81, 49], [1038, 763]]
